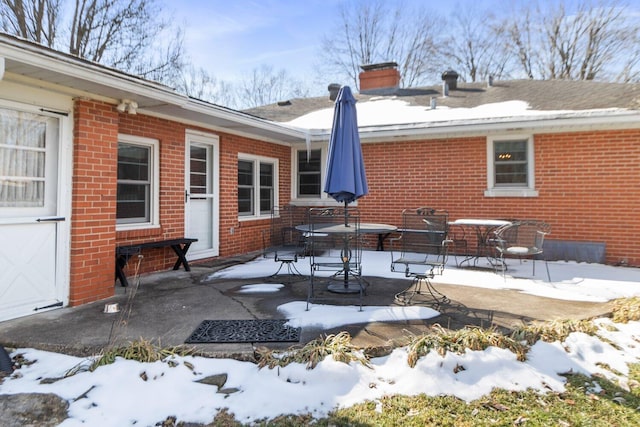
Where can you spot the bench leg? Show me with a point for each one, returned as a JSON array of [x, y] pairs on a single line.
[[121, 263], [181, 251]]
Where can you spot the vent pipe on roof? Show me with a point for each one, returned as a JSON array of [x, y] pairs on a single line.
[[490, 81], [450, 77], [445, 89], [334, 88]]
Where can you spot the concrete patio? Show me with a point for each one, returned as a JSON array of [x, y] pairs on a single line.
[[168, 306]]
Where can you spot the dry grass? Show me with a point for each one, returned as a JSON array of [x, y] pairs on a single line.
[[626, 310], [442, 341], [339, 346], [556, 330], [472, 338], [141, 350]]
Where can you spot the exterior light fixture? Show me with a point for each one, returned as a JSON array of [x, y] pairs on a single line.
[[128, 106]]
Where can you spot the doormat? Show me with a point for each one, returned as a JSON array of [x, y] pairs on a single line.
[[238, 331]]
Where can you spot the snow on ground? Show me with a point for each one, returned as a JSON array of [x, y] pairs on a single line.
[[112, 395]]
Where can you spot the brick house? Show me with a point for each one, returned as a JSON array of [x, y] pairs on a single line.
[[92, 158]]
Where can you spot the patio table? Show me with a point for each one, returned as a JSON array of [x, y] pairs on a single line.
[[382, 230], [481, 228]]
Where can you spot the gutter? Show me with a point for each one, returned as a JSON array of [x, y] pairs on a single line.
[[203, 107], [546, 123]]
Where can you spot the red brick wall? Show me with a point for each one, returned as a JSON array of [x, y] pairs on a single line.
[[93, 230], [172, 151], [587, 183], [94, 235], [247, 235]]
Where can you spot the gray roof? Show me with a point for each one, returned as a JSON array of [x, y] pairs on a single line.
[[539, 94]]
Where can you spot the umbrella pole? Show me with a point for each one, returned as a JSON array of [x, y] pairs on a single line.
[[346, 214], [346, 247]]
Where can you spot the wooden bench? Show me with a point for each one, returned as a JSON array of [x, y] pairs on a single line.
[[125, 252]]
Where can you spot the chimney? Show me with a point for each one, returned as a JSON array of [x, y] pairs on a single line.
[[450, 77], [384, 75]]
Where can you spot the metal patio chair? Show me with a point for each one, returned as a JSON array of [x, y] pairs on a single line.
[[283, 241], [521, 239], [334, 244], [420, 252], [459, 243]]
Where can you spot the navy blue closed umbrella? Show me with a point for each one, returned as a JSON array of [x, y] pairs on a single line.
[[346, 179]]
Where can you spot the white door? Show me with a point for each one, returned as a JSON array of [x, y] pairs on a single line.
[[32, 230], [201, 194]]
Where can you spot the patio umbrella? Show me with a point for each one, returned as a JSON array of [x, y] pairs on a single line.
[[346, 179]]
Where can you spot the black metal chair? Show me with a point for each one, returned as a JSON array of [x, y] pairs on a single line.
[[283, 241], [421, 252], [334, 244], [458, 239], [521, 239]]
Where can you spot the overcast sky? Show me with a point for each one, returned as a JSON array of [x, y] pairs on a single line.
[[232, 37]]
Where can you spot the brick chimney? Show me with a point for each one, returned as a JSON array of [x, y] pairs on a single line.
[[384, 75]]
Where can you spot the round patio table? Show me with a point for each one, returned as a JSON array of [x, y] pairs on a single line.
[[482, 229], [382, 230]]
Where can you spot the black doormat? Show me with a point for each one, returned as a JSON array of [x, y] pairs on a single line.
[[236, 331]]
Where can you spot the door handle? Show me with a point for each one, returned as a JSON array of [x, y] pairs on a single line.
[[54, 219]]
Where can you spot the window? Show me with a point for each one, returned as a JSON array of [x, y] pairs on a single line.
[[23, 140], [137, 194], [257, 186], [510, 169], [309, 178]]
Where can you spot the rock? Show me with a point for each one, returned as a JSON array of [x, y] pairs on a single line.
[[32, 410], [217, 380]]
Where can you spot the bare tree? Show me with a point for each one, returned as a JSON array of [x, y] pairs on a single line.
[[265, 86], [35, 20], [124, 34], [198, 83], [629, 71], [595, 41], [477, 47], [369, 32], [520, 40]]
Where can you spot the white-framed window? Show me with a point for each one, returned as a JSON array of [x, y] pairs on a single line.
[[510, 166], [257, 186], [309, 173], [138, 191]]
